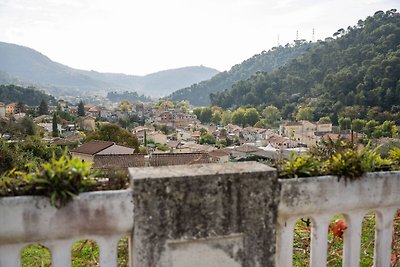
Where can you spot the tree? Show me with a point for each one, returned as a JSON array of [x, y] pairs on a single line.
[[205, 115], [358, 125], [216, 117], [197, 112], [125, 106], [28, 125], [251, 116], [43, 108], [207, 138], [260, 124], [325, 119], [81, 109], [344, 123], [305, 113], [226, 117], [114, 133], [272, 116], [370, 127], [238, 117], [55, 127]]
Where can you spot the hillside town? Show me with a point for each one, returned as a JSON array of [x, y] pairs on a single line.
[[167, 136]]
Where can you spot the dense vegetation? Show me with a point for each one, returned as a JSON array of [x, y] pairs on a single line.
[[114, 133], [340, 158], [355, 73], [29, 96], [198, 94], [128, 96]]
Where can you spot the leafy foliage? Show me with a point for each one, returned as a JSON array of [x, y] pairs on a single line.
[[198, 94], [128, 96], [30, 95], [114, 133], [32, 150], [60, 180], [339, 158], [301, 166]]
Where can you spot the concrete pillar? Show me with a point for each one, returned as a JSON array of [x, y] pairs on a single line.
[[205, 215]]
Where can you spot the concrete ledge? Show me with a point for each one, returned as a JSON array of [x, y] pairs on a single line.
[[30, 219], [199, 170], [325, 194]]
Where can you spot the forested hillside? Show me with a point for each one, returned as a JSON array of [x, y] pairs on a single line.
[[198, 94], [29, 96], [128, 96], [354, 74]]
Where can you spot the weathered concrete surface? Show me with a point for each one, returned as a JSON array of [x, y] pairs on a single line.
[[203, 202], [325, 194], [321, 198], [30, 219], [209, 252]]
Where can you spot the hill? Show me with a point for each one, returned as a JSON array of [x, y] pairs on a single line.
[[29, 96], [354, 74], [31, 67], [198, 94]]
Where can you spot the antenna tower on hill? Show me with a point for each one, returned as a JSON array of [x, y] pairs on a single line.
[[313, 34]]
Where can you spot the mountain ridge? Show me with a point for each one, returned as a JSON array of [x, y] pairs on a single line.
[[198, 94], [30, 67]]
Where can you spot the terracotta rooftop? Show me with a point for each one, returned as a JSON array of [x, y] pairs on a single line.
[[220, 152], [93, 147], [247, 149]]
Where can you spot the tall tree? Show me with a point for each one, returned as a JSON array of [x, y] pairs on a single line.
[[55, 127], [238, 117], [251, 116], [81, 109], [43, 108], [272, 116]]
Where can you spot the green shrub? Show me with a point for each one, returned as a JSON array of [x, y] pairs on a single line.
[[301, 166], [394, 155], [60, 180], [336, 158]]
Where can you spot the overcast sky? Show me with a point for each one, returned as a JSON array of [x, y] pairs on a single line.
[[140, 37]]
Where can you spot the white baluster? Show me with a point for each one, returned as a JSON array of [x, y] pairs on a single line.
[[319, 240], [284, 246], [352, 239], [61, 253], [10, 255], [383, 237], [108, 250]]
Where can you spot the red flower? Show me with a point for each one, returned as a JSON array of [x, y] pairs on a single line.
[[339, 226], [393, 259]]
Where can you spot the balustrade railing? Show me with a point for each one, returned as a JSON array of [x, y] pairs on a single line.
[[233, 211], [321, 198]]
